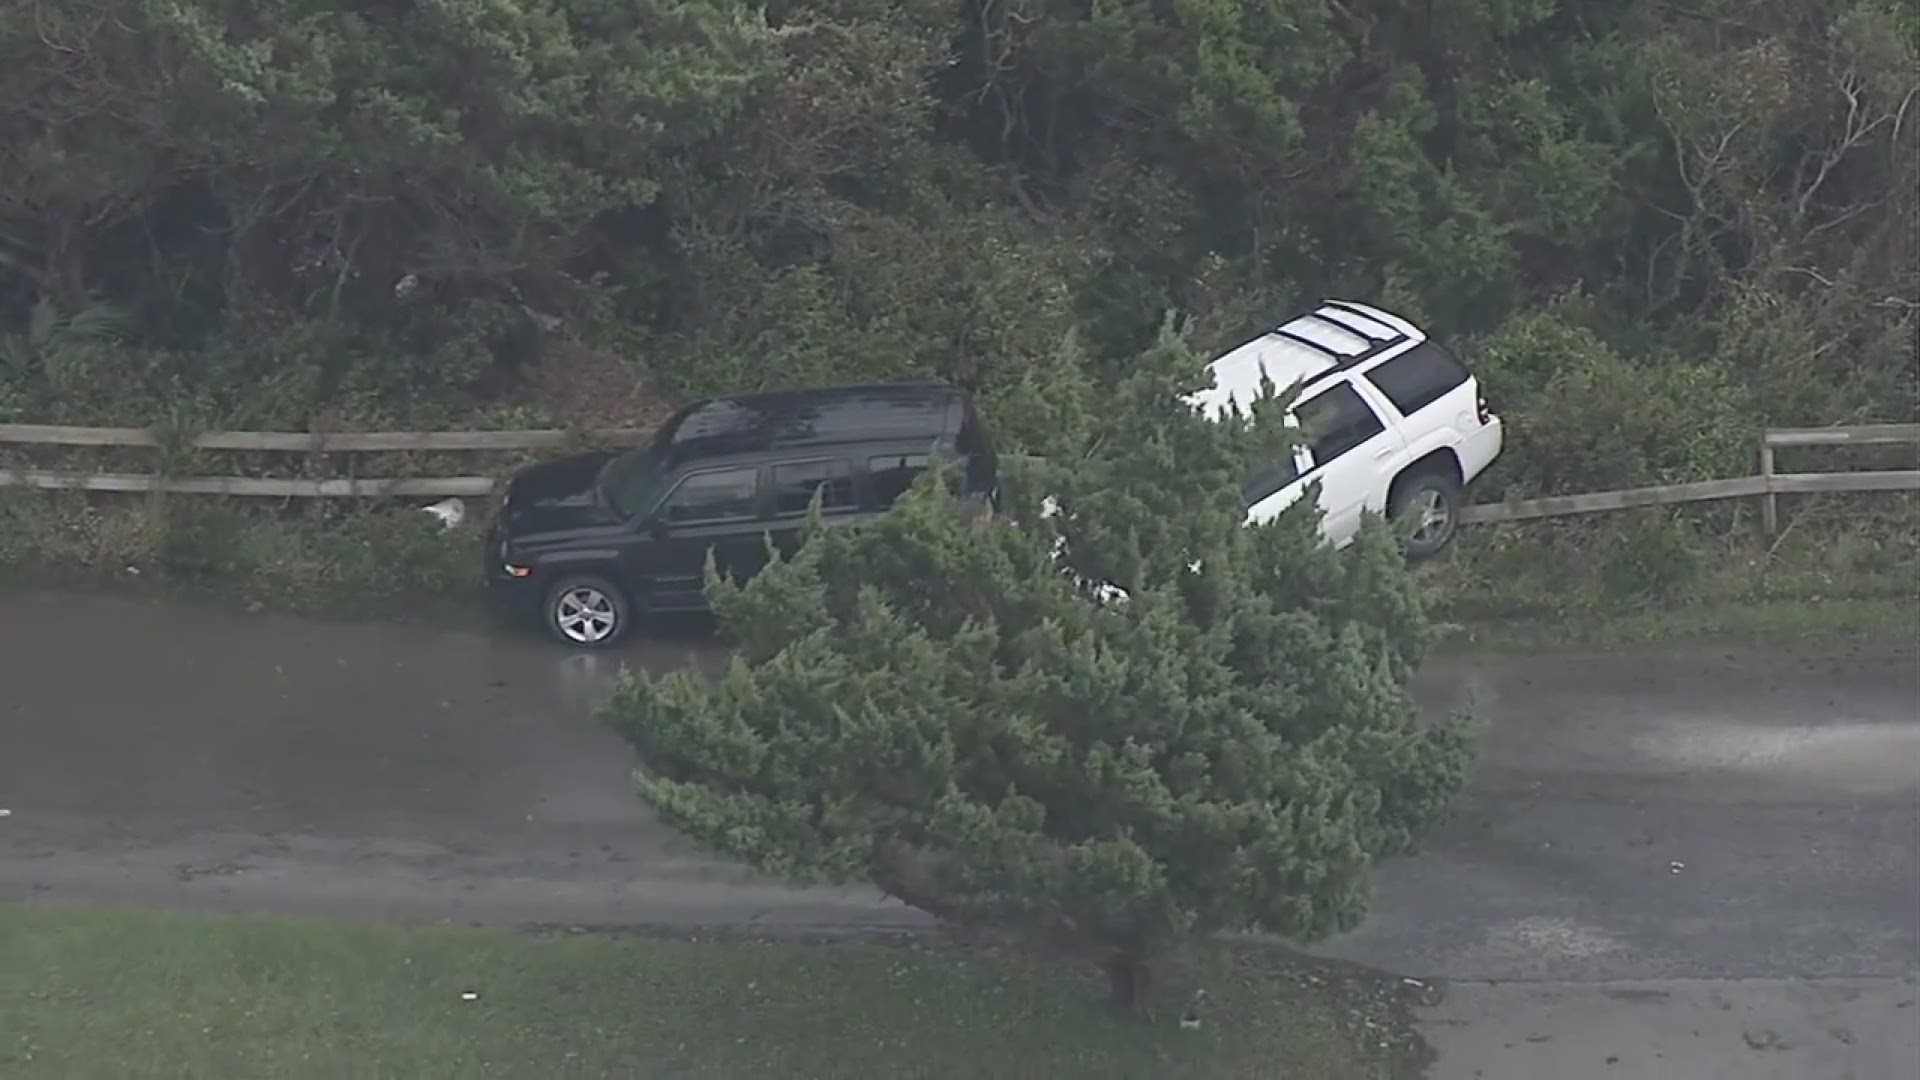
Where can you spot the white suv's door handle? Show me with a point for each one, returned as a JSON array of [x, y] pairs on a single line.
[[1383, 453]]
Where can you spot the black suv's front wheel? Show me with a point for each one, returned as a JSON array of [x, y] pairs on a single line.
[[586, 611], [1426, 506]]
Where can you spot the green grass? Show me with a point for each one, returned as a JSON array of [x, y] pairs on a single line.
[[333, 560], [88, 993], [1765, 622], [1841, 571]]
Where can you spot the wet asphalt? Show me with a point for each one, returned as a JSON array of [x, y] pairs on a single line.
[[1727, 826]]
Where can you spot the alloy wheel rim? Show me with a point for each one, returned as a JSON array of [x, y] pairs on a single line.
[[585, 615], [1432, 516]]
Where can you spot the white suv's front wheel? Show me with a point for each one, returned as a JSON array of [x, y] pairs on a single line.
[[1427, 509]]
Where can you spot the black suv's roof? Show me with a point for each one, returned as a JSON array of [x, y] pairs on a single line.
[[864, 412]]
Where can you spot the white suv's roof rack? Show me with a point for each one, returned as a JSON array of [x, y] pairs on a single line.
[[1321, 341], [1376, 331]]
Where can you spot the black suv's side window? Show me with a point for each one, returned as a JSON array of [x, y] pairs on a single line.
[[893, 474], [795, 482], [1336, 421], [718, 495], [1418, 377]]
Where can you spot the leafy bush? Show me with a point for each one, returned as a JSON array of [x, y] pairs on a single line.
[[1582, 418], [1654, 556]]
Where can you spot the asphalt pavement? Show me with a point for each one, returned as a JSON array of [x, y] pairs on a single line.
[[1691, 863]]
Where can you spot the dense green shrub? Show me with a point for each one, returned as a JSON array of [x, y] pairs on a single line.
[[1581, 417], [928, 703]]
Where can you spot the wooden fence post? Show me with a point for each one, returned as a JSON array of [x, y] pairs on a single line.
[[1769, 502]]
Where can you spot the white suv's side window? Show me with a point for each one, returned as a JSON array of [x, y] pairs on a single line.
[[1335, 421], [1353, 453]]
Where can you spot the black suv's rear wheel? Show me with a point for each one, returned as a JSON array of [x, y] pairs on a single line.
[[1426, 506], [586, 611]]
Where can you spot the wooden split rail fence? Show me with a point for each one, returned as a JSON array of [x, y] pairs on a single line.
[[289, 443], [1768, 484]]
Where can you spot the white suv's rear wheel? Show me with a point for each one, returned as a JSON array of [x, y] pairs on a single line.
[[1427, 509]]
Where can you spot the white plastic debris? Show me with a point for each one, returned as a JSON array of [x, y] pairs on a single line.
[[1190, 1020], [1103, 592], [451, 512], [1676, 866], [469, 996], [4, 812]]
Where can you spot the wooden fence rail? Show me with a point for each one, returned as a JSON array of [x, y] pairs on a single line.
[[278, 488], [317, 442], [1768, 485]]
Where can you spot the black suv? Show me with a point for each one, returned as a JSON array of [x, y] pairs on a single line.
[[592, 540]]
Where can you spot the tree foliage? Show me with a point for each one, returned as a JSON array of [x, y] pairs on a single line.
[[934, 703], [385, 209]]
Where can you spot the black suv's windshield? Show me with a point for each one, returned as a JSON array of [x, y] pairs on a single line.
[[630, 481]]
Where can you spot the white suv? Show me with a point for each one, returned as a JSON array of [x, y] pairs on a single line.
[[1391, 421]]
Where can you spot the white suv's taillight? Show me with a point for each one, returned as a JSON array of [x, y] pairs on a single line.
[[1486, 414]]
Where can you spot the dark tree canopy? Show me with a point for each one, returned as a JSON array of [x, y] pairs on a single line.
[[383, 211]]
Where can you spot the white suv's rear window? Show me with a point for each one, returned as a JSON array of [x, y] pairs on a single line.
[[1418, 377]]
